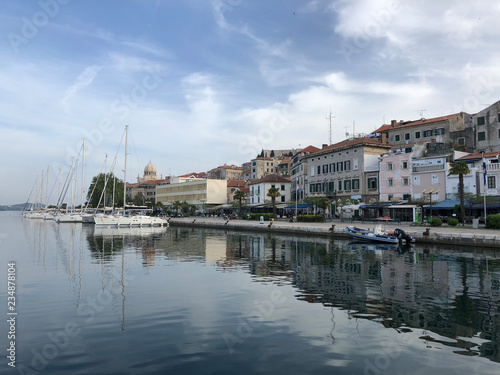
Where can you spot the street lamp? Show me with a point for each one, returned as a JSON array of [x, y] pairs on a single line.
[[430, 192]]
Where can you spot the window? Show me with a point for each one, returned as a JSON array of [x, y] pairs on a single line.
[[340, 186], [498, 133], [416, 180], [439, 131], [427, 133], [461, 140], [331, 186], [396, 138], [406, 181], [340, 166], [355, 184], [390, 196], [388, 167], [481, 120], [347, 165], [319, 187], [372, 183], [355, 164], [282, 198], [417, 135], [312, 171], [332, 168], [404, 165], [282, 187], [498, 119], [481, 136], [492, 183], [319, 169], [390, 182], [312, 188], [347, 184], [406, 197], [407, 136], [325, 168], [434, 179]]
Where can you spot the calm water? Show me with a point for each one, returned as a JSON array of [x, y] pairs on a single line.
[[184, 301]]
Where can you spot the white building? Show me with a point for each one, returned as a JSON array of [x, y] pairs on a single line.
[[259, 189], [195, 191]]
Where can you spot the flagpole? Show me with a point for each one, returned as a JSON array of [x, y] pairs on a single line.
[[296, 198], [484, 193]]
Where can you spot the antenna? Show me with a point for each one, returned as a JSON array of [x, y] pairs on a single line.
[[421, 112], [353, 128], [330, 132], [346, 132]]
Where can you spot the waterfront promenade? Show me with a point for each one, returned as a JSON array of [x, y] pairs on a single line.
[[436, 235]]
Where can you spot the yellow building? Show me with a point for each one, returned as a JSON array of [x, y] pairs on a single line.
[[197, 192]]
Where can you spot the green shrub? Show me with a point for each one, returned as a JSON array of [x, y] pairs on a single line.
[[493, 221], [311, 218], [436, 222], [267, 217], [453, 222]]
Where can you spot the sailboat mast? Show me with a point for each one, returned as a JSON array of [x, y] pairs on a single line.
[[83, 175], [125, 170]]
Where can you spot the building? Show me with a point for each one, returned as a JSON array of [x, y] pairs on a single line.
[[263, 166], [197, 191], [299, 170], [259, 189], [145, 187], [457, 128], [233, 186], [284, 166], [430, 171], [395, 172], [226, 172], [474, 182], [346, 170], [487, 125]]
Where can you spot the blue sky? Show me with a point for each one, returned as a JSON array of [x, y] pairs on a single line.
[[207, 82]]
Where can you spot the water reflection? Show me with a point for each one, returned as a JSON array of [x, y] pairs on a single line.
[[444, 297]]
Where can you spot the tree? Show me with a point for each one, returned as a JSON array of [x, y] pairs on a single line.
[[460, 168], [240, 195], [320, 202], [137, 200], [97, 187], [273, 193], [176, 205]]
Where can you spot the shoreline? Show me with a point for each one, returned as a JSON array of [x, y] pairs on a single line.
[[336, 229]]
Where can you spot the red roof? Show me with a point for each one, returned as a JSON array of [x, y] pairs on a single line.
[[270, 178], [480, 156], [310, 149], [405, 124], [194, 174], [354, 142], [235, 183]]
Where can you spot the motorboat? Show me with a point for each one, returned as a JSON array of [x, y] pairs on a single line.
[[375, 235]]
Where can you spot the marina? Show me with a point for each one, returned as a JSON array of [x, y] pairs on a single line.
[[190, 300]]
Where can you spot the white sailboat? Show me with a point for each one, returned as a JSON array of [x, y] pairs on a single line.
[[124, 219]]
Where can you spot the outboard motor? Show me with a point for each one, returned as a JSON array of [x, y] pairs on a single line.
[[403, 237]]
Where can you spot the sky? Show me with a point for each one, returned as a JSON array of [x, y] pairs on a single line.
[[201, 83]]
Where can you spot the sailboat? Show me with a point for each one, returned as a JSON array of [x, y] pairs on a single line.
[[124, 219]]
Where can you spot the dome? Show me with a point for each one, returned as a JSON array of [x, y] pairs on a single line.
[[150, 169]]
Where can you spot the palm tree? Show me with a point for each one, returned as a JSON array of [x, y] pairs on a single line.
[[176, 205], [460, 168], [273, 193], [239, 195]]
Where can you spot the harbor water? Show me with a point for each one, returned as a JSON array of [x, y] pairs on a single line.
[[204, 301]]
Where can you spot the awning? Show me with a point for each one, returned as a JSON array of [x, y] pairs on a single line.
[[301, 206], [403, 206], [447, 204]]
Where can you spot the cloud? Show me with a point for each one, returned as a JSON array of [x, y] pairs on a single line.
[[83, 80]]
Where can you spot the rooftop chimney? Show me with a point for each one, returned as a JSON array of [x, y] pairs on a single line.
[[393, 123], [324, 145]]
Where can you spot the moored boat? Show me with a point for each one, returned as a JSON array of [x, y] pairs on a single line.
[[375, 235]]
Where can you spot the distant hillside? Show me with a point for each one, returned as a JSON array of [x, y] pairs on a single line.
[[14, 207]]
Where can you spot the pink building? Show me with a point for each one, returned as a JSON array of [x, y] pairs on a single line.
[[396, 174]]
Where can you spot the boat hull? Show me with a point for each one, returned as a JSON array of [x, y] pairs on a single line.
[[366, 235]]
